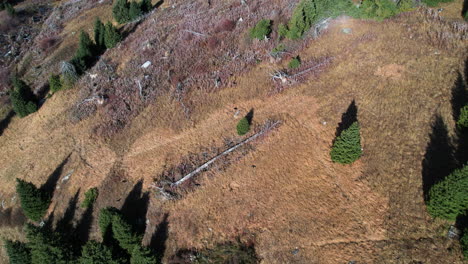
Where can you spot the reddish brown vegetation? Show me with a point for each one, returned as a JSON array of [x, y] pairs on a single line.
[[45, 44]]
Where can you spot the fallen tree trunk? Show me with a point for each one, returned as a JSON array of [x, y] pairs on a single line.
[[265, 129]]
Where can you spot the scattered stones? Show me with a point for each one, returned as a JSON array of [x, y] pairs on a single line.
[[453, 233], [347, 30], [295, 251]]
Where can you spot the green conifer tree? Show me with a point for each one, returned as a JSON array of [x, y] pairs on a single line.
[[449, 198], [112, 36], [261, 30], [99, 31], [302, 19], [124, 233], [146, 6], [96, 253], [462, 121], [143, 255], [134, 11], [243, 126], [33, 200], [347, 147], [18, 253], [47, 246], [120, 10], [21, 98], [105, 220], [464, 243]]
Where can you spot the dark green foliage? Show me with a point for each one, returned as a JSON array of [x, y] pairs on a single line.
[[124, 233], [243, 126], [17, 252], [146, 6], [464, 243], [434, 3], [105, 220], [294, 63], [112, 36], [10, 9], [120, 10], [379, 9], [142, 255], [90, 196], [347, 146], [96, 253], [278, 49], [282, 30], [449, 198], [302, 19], [55, 84], [463, 119], [84, 54], [21, 98], [134, 11], [228, 253], [33, 200], [99, 31], [47, 246], [261, 30]]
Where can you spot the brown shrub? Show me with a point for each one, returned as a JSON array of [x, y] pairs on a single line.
[[225, 25], [212, 43], [46, 43]]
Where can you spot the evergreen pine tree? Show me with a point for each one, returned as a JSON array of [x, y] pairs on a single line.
[[105, 220], [146, 6], [85, 51], [142, 255], [112, 36], [464, 243], [99, 30], [33, 200], [124, 233], [17, 252], [449, 198], [243, 126], [22, 98], [302, 19], [463, 118], [134, 11], [47, 247], [96, 253], [261, 30], [120, 10], [347, 146], [10, 9]]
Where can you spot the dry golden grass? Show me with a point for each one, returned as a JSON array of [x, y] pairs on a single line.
[[295, 197]]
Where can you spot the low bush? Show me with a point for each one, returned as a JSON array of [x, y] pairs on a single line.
[[55, 84], [449, 197], [434, 3], [227, 253], [243, 126], [347, 146], [294, 63], [90, 197], [261, 30]]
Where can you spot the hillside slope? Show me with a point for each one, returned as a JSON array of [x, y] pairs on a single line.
[[281, 191]]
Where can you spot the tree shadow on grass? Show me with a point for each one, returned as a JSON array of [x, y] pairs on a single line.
[[51, 183], [159, 237], [439, 160], [347, 119], [459, 96], [65, 224], [135, 207], [464, 8], [249, 116], [83, 226], [6, 121]]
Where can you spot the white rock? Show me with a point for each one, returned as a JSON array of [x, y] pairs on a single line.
[[146, 64]]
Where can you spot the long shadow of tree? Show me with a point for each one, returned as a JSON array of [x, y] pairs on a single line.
[[439, 160], [249, 116], [6, 121], [347, 119], [459, 100], [135, 207], [51, 183], [159, 237]]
